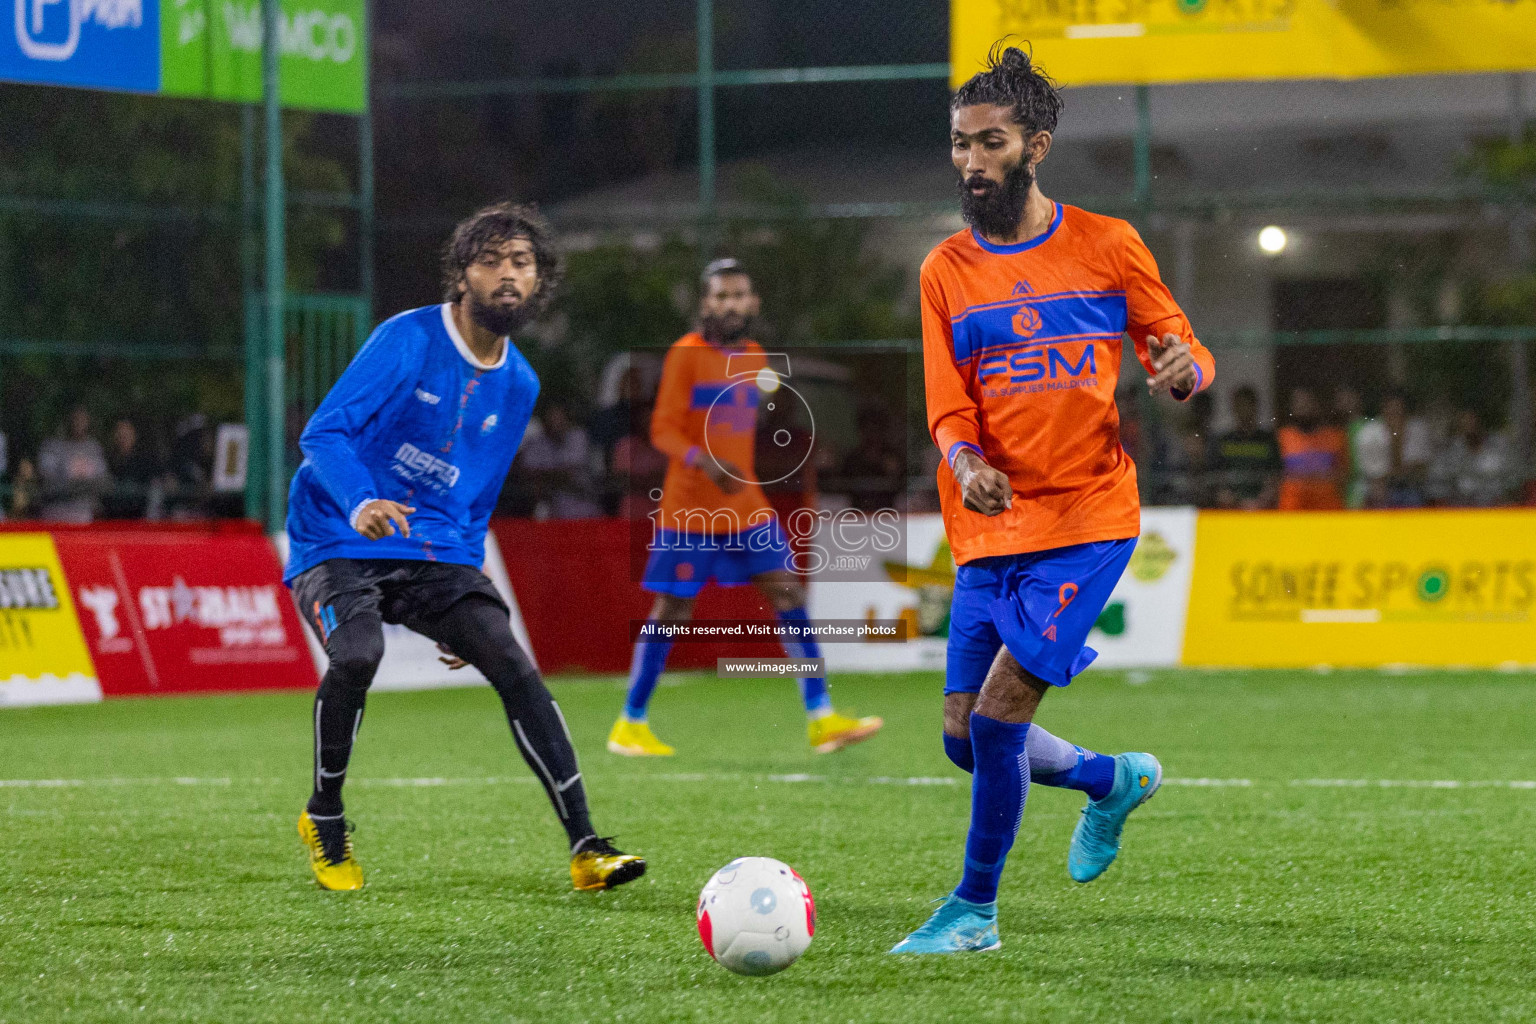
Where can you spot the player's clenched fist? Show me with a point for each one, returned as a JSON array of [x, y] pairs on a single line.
[[379, 519], [984, 489]]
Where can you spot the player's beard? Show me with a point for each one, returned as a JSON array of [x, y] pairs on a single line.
[[998, 211], [496, 319], [725, 330]]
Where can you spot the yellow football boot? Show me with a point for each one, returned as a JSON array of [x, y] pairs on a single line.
[[635, 739], [343, 874], [597, 865], [835, 731]]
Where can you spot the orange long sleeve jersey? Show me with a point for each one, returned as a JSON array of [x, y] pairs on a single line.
[[706, 404], [1021, 355]]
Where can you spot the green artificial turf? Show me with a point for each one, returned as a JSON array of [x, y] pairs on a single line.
[[163, 880]]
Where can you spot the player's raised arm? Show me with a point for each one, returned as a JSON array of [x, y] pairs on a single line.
[[1165, 342], [328, 441], [953, 420]]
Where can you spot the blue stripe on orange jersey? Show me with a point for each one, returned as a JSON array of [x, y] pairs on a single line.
[[705, 395], [1036, 320]]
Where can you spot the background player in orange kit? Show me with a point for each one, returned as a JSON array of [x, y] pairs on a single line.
[[715, 523], [1023, 318]]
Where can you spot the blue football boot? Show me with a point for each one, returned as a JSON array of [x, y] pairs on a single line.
[[958, 926], [1096, 839]]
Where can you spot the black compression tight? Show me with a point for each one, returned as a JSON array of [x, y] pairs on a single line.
[[476, 629]]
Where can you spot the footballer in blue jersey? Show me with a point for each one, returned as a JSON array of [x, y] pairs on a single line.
[[403, 462]]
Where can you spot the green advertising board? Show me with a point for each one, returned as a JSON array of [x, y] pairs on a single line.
[[211, 49]]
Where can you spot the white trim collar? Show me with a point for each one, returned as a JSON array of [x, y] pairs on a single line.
[[463, 346]]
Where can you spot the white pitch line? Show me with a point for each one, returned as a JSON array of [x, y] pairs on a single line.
[[789, 779], [1417, 783], [1207, 782]]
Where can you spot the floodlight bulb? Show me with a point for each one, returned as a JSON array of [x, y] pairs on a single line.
[[767, 381], [1272, 240]]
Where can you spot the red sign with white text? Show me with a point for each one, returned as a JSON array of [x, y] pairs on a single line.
[[178, 611]]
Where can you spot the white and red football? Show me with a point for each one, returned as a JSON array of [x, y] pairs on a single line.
[[756, 916]]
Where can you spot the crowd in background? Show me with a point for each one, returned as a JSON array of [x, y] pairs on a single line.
[[79, 475], [1325, 453]]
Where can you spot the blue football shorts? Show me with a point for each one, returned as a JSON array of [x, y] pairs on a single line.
[[1040, 605], [681, 563]]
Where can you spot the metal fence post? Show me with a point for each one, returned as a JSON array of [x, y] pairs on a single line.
[[1142, 155], [365, 194], [706, 91], [255, 401], [276, 269]]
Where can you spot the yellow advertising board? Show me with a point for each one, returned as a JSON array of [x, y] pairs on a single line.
[[1363, 589], [43, 657], [1095, 42]]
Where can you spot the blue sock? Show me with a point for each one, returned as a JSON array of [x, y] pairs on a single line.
[[813, 689], [1055, 762], [650, 658], [1093, 774], [998, 791], [959, 751]]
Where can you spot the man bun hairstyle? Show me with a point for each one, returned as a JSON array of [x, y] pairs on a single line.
[[1013, 80], [496, 225], [720, 267]]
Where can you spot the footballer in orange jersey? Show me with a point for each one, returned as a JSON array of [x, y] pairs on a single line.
[[1024, 314], [714, 522]]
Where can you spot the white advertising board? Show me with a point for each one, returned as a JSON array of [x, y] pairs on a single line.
[[1142, 625]]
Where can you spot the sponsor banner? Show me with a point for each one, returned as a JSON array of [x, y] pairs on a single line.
[[411, 661], [213, 51], [43, 656], [1364, 589], [99, 44], [1142, 625], [176, 611], [579, 583], [1080, 42], [190, 48]]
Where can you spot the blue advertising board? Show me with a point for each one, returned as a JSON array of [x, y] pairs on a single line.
[[99, 44]]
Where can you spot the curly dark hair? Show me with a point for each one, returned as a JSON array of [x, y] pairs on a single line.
[[1013, 80], [493, 226]]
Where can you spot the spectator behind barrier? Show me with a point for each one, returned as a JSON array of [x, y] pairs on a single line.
[[559, 462], [72, 472], [24, 490], [191, 480], [1188, 455], [1477, 467], [137, 492], [1349, 416], [1314, 457], [1246, 459], [612, 422], [639, 467], [1393, 452]]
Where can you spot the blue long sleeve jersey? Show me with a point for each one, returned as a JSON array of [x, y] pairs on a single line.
[[418, 420]]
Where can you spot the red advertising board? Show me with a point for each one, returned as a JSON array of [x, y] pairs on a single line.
[[577, 585], [178, 610]]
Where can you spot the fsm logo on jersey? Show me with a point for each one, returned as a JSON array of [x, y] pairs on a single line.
[[104, 44], [1053, 367]]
